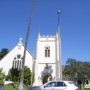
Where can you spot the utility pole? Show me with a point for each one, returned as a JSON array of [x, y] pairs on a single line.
[[26, 42]]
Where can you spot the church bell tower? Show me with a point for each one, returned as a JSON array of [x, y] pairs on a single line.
[[48, 57]]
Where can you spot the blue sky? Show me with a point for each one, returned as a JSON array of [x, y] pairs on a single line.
[[74, 25]]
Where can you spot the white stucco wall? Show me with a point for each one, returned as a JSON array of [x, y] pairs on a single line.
[[43, 71], [44, 41], [6, 62], [41, 52]]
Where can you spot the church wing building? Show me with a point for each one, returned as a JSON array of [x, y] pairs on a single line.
[[14, 58], [47, 63]]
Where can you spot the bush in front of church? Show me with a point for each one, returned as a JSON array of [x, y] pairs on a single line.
[[2, 76], [14, 75], [1, 82]]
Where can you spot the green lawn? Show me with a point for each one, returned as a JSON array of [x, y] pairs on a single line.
[[11, 88]]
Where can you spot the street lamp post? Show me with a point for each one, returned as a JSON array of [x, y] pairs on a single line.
[[58, 12], [26, 42]]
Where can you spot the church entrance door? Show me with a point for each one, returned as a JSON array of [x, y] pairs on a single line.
[[47, 78]]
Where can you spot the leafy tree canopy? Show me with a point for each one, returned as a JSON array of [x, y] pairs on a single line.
[[77, 70], [14, 75], [2, 74], [3, 52]]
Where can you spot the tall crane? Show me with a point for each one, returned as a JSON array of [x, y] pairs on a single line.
[[26, 42]]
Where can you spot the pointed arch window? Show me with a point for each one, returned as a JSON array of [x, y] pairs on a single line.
[[17, 62], [47, 51], [18, 65]]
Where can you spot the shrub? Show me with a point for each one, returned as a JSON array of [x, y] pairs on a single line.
[[1, 82]]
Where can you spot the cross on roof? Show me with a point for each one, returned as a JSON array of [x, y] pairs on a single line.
[[20, 39], [20, 42]]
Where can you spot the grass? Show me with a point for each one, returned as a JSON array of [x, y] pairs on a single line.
[[11, 88], [85, 89]]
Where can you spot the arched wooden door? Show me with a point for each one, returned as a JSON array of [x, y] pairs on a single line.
[[45, 78]]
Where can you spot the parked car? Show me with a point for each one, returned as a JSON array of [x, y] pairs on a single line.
[[56, 85], [1, 87]]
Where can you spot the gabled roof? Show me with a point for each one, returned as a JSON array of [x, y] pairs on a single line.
[[19, 44]]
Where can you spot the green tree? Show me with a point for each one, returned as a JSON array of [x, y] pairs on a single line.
[[27, 76], [14, 75], [85, 69], [70, 69], [2, 76], [3, 52], [76, 70]]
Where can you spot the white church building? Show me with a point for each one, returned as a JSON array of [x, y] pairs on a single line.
[[47, 63], [14, 58]]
